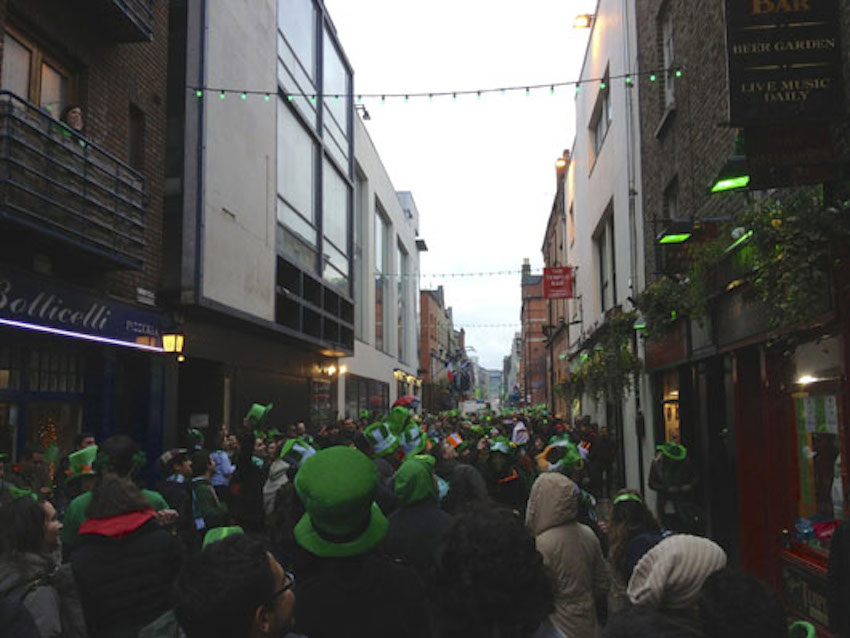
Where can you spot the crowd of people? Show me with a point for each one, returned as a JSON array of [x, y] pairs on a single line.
[[439, 526]]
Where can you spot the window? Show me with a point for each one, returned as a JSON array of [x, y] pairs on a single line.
[[670, 406], [335, 196], [667, 57], [600, 120], [296, 155], [381, 270], [296, 19], [34, 75], [401, 270], [605, 261], [337, 82], [668, 257], [136, 138], [361, 193]]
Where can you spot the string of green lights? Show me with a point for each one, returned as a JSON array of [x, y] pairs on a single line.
[[629, 79]]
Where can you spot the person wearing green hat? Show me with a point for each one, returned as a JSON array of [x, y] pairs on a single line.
[[80, 476], [673, 476], [347, 587], [418, 526], [412, 440], [257, 414], [384, 442], [498, 466], [217, 534]]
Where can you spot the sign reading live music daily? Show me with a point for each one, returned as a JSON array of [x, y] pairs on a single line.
[[784, 61]]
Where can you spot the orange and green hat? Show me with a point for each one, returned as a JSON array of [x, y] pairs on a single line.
[[81, 462]]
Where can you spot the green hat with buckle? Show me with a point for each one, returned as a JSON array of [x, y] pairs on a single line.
[[296, 451], [220, 533], [673, 451], [257, 414], [81, 462], [502, 445], [382, 439], [337, 487]]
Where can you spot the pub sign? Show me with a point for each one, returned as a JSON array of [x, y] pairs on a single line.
[[784, 61]]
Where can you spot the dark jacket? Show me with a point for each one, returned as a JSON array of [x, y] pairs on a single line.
[[417, 527], [47, 591], [125, 566], [367, 595], [839, 581], [16, 621]]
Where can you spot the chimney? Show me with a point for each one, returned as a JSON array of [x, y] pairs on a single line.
[[526, 267]]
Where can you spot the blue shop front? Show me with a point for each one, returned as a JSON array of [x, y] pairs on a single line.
[[72, 360]]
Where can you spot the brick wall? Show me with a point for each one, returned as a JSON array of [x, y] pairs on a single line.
[[533, 366], [110, 77]]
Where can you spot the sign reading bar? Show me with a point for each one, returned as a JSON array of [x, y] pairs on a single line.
[[784, 61], [558, 282]]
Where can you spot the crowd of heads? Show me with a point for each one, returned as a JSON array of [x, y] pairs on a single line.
[[239, 513]]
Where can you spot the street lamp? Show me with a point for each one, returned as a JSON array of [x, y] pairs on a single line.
[[583, 21]]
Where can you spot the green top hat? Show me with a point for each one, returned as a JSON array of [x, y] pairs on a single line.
[[413, 440], [502, 445], [383, 441], [196, 438], [81, 462], [414, 481], [219, 534], [258, 414], [673, 451], [801, 629], [337, 486], [296, 451], [398, 419]]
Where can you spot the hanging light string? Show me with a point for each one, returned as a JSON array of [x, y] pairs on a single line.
[[629, 79], [452, 275]]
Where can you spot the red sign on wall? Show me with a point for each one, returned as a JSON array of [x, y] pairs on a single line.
[[558, 282]]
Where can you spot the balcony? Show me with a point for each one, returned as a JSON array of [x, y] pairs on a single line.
[[123, 20], [60, 186]]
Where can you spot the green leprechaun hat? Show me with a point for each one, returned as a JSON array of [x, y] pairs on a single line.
[[220, 533], [257, 414], [398, 419], [383, 441], [296, 451], [673, 451], [572, 456], [413, 440], [337, 486], [501, 445], [81, 462]]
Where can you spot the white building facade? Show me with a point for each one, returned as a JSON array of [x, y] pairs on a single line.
[[604, 216], [386, 290]]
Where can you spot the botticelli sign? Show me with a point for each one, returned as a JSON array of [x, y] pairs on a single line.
[[558, 282], [38, 303], [784, 61]]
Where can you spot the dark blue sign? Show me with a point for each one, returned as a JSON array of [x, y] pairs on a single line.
[[48, 303]]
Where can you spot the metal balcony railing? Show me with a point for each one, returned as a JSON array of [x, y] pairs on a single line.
[[124, 20], [61, 185]]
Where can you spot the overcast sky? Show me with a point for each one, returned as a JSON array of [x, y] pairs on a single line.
[[481, 171]]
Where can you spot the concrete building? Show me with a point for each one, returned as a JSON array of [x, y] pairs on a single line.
[[386, 290], [604, 215], [557, 321], [259, 207], [81, 224], [510, 371], [532, 372]]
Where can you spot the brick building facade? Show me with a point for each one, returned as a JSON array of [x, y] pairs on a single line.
[[533, 370], [81, 214]]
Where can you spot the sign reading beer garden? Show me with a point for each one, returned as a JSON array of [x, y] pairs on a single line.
[[784, 61]]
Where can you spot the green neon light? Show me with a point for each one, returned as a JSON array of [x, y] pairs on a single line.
[[730, 183], [639, 325], [677, 238], [740, 241], [199, 93]]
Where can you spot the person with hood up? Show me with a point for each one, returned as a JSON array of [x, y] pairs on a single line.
[[671, 575], [571, 551], [419, 525]]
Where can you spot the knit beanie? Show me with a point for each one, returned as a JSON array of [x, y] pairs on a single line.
[[671, 574]]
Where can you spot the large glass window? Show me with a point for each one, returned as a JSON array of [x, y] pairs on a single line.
[[296, 19], [296, 154], [335, 194], [401, 269], [381, 270], [361, 192]]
